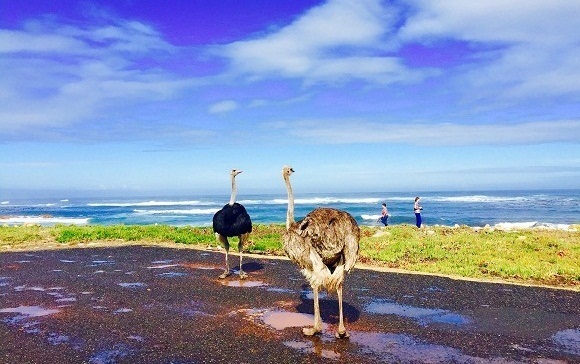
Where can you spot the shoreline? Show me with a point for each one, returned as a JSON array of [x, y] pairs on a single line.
[[48, 221]]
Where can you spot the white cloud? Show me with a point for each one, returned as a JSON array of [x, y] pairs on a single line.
[[339, 40], [528, 21], [536, 44], [223, 107], [437, 134], [61, 75]]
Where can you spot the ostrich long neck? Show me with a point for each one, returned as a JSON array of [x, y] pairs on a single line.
[[290, 213], [234, 191]]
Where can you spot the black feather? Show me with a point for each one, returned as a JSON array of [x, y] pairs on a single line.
[[232, 220]]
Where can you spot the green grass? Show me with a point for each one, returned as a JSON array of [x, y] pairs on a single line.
[[549, 257]]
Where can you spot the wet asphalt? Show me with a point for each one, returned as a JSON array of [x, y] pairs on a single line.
[[138, 304]]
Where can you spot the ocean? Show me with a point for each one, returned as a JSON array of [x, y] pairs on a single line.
[[547, 208]]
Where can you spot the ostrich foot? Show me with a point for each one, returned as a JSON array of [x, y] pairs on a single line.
[[342, 334], [225, 274], [243, 275], [311, 331]]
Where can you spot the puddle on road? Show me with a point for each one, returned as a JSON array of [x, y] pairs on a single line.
[[278, 319], [67, 261], [30, 311], [132, 285], [243, 283], [4, 281], [568, 340], [111, 356], [57, 339], [123, 310], [137, 338], [281, 320], [199, 266], [163, 266], [27, 288], [423, 315], [162, 261], [101, 262], [310, 295], [311, 347], [280, 290], [399, 348], [172, 274]]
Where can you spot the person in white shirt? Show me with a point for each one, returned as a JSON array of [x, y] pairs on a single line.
[[417, 209]]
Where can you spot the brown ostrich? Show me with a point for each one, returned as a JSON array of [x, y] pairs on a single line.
[[325, 246]]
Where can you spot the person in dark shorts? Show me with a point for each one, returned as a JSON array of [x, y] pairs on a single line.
[[384, 215]]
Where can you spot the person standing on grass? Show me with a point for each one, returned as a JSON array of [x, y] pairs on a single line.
[[417, 209], [384, 215]]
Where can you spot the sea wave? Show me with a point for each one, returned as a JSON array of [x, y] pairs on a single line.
[[177, 212], [43, 220], [370, 217], [149, 203], [477, 199], [315, 201]]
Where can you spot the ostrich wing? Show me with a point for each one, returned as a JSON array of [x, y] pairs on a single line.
[[331, 234], [334, 234], [232, 220]]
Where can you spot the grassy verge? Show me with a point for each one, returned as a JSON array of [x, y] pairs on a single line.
[[546, 257]]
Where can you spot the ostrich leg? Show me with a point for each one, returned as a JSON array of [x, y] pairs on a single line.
[[224, 241], [341, 333], [317, 328], [241, 242]]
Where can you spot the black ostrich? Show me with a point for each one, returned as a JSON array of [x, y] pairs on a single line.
[[232, 220]]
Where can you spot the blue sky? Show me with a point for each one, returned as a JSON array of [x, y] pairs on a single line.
[[357, 95]]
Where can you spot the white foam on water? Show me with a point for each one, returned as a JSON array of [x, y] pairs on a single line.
[[149, 203], [177, 212], [43, 220]]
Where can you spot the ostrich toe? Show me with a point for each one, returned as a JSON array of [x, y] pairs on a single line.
[[342, 335], [224, 274], [243, 275], [311, 331]]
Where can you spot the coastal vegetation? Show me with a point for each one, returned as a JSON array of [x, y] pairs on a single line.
[[529, 256]]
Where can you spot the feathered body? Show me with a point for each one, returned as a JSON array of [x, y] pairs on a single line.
[[325, 246], [232, 220]]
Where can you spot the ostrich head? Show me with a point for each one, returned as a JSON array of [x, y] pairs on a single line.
[[287, 171], [235, 172]]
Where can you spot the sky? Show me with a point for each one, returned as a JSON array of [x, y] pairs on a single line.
[[136, 97]]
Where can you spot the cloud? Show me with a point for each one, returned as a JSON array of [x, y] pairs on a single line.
[[62, 75], [496, 21], [437, 134], [517, 50], [522, 48], [223, 107], [338, 41]]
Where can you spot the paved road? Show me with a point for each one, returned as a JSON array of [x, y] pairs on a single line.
[[138, 304]]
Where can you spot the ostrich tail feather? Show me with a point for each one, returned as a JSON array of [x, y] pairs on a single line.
[[320, 276], [336, 278]]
